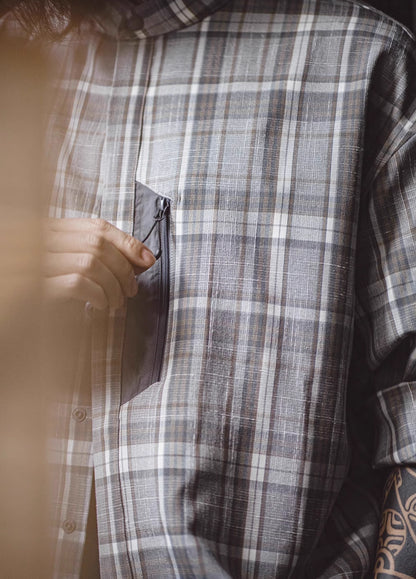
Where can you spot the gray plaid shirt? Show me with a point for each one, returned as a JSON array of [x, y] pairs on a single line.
[[283, 134]]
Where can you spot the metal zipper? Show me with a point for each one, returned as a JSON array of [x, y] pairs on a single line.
[[162, 222]]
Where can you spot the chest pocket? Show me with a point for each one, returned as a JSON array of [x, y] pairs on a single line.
[[147, 312]]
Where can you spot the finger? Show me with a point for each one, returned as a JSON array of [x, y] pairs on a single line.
[[75, 286], [88, 266], [105, 251], [135, 251]]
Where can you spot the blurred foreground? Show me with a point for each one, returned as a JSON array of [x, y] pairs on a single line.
[[23, 506]]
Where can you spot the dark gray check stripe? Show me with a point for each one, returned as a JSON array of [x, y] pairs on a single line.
[[133, 19], [283, 132]]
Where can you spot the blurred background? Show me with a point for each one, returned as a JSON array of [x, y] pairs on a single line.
[[402, 10]]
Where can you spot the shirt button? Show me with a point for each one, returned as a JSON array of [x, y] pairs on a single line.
[[69, 526], [79, 414]]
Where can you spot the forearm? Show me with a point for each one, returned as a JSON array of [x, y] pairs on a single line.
[[396, 548]]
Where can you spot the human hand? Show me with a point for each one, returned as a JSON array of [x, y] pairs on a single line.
[[90, 260]]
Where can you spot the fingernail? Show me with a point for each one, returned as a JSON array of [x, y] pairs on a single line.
[[147, 257]]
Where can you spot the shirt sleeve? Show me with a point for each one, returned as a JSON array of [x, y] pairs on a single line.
[[389, 302], [386, 263]]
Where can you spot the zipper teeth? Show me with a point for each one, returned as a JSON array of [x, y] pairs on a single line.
[[164, 290]]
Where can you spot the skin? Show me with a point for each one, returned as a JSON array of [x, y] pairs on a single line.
[[397, 538], [90, 260]]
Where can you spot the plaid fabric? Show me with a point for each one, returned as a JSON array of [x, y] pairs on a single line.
[[132, 19], [284, 135]]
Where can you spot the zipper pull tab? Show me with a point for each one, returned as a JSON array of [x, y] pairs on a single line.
[[163, 207], [162, 211]]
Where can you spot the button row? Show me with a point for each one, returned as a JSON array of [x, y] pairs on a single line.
[[78, 414]]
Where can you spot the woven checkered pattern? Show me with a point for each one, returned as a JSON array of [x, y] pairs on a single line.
[[132, 19], [284, 134]]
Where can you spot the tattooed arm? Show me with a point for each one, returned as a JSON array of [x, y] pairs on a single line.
[[396, 548]]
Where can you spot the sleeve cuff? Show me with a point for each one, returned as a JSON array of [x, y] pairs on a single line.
[[395, 417]]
